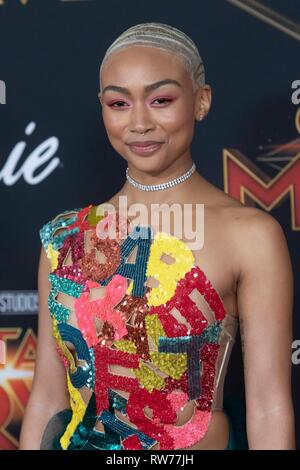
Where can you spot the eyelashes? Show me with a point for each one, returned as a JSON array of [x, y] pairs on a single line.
[[115, 104]]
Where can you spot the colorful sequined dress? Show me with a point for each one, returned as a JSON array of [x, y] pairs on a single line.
[[135, 355]]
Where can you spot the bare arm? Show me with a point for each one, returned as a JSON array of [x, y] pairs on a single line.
[[49, 391], [265, 293]]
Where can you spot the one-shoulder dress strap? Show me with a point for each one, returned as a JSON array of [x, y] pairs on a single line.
[[52, 232]]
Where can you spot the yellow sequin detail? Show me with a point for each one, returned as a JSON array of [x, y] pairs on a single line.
[[167, 274], [172, 364], [92, 217], [52, 254], [129, 288], [154, 328], [78, 407], [125, 345], [148, 378], [62, 346]]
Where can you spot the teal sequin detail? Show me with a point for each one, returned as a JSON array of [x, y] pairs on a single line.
[[140, 237], [67, 286], [57, 310], [47, 232], [86, 437], [117, 402], [61, 284], [91, 369]]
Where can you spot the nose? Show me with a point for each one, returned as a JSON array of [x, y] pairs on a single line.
[[140, 119]]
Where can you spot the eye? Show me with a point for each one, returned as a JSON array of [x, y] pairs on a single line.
[[162, 100], [117, 104]]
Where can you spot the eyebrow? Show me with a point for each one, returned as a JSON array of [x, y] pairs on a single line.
[[147, 88]]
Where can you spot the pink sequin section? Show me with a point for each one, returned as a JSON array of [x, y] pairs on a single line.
[[178, 400], [102, 308], [191, 432]]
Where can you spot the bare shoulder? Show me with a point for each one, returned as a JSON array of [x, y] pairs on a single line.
[[251, 226], [258, 241]]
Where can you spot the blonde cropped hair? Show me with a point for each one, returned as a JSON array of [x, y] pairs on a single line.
[[165, 37]]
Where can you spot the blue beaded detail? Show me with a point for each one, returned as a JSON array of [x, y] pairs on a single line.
[[191, 345], [83, 374], [141, 237]]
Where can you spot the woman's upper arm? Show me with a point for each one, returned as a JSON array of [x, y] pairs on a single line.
[[50, 376], [265, 304]]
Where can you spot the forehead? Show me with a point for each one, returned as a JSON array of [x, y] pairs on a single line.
[[145, 63]]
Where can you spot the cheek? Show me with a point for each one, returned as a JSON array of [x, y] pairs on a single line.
[[113, 123], [177, 118], [180, 128]]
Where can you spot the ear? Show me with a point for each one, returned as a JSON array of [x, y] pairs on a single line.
[[100, 97], [202, 102]]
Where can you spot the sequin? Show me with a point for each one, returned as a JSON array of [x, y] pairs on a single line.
[[191, 345], [93, 218], [140, 237], [134, 310], [174, 365], [78, 408], [53, 256], [105, 380], [57, 310], [194, 430], [103, 308], [167, 274], [92, 268], [165, 359], [63, 351], [124, 430], [163, 413], [82, 220], [114, 225], [81, 376], [47, 232], [148, 378]]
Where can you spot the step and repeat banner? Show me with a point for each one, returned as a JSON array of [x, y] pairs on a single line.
[[55, 155]]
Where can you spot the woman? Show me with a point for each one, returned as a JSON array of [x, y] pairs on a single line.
[[143, 319]]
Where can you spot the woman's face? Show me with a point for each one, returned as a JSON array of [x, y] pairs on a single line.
[[133, 101]]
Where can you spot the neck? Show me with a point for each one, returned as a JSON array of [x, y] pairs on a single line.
[[179, 193]]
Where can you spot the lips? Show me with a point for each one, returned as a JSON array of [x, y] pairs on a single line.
[[144, 143], [145, 147]]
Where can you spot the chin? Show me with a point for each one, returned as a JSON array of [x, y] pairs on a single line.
[[149, 164]]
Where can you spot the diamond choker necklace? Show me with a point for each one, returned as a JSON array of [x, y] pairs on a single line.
[[159, 187]]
